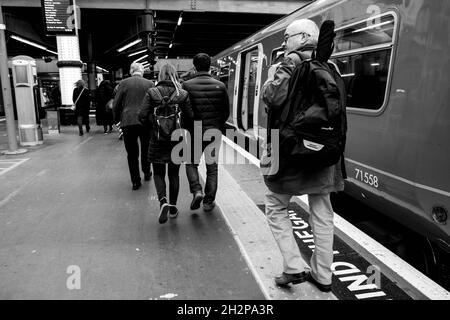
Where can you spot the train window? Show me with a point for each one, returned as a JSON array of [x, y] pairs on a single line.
[[363, 53], [224, 74]]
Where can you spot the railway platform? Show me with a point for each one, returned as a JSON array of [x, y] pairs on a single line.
[[72, 228]]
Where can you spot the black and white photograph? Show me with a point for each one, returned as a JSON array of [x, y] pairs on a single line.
[[231, 159]]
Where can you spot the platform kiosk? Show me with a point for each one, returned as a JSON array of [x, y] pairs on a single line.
[[24, 76]]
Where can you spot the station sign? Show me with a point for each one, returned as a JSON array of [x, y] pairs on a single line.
[[59, 17]]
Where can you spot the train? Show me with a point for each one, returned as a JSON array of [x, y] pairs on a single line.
[[394, 58]]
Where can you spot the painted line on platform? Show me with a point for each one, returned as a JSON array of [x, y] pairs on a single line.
[[18, 190], [81, 144], [256, 242], [15, 162], [373, 250]]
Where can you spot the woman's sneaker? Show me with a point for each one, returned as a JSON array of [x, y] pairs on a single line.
[[163, 211], [209, 206], [173, 211]]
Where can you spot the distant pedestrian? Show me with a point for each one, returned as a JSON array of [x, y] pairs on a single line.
[[82, 100], [127, 102], [300, 40], [104, 99], [210, 103], [164, 103]]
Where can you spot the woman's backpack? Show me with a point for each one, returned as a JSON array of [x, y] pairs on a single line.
[[166, 117]]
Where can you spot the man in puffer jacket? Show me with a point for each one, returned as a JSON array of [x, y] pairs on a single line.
[[210, 103]]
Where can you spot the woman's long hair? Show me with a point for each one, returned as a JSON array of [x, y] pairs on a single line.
[[169, 72]]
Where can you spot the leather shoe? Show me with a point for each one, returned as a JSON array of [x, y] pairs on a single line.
[[136, 185], [198, 198], [286, 278], [321, 287], [148, 176]]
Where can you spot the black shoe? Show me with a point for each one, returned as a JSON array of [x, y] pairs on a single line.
[[286, 278], [137, 185], [163, 213], [148, 176], [321, 287], [198, 198], [173, 211]]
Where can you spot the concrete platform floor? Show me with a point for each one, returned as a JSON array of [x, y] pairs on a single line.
[[71, 204]]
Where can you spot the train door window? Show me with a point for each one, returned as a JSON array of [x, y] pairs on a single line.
[[363, 54], [224, 74], [248, 88]]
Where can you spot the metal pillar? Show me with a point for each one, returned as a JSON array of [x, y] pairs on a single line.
[[6, 90]]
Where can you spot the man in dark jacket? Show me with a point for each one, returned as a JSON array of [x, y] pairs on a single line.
[[127, 102], [209, 100], [300, 35]]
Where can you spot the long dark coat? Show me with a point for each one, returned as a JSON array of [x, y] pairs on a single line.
[[83, 104], [159, 151], [103, 95]]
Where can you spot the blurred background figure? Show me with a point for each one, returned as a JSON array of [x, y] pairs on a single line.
[[104, 99], [82, 100]]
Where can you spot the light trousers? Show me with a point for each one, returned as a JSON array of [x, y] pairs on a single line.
[[321, 222]]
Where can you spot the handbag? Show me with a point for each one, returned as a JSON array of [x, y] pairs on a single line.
[[73, 107], [109, 105]]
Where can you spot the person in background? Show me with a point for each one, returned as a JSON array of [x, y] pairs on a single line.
[[104, 98], [126, 106], [159, 152], [210, 103], [82, 100], [300, 36]]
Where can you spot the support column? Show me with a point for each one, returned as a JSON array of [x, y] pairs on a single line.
[[70, 66], [6, 92]]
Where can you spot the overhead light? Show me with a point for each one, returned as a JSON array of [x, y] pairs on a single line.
[[170, 45], [32, 44], [136, 53], [179, 20], [129, 45], [167, 57], [141, 58]]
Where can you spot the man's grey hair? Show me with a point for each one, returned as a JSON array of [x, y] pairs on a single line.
[[136, 68], [307, 26]]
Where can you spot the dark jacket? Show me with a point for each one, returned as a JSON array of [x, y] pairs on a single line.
[[103, 95], [291, 179], [209, 99], [84, 102], [159, 151], [128, 100]]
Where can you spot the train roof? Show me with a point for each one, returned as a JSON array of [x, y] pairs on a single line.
[[305, 11]]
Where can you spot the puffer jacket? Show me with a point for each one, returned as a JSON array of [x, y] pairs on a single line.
[[209, 99], [290, 179], [160, 151]]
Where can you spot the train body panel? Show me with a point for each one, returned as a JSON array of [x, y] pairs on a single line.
[[394, 57]]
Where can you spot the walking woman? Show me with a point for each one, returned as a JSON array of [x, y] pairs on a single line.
[[104, 97], [82, 100], [166, 95]]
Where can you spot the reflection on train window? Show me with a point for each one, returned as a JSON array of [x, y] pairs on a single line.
[[366, 34], [365, 76], [276, 56], [248, 88], [363, 53]]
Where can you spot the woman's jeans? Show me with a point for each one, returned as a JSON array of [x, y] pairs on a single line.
[[159, 176]]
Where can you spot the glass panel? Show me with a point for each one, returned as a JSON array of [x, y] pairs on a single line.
[[277, 56], [21, 74], [365, 76], [365, 34]]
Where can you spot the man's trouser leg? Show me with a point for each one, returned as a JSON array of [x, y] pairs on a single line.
[[281, 227], [144, 137], [321, 222], [130, 138]]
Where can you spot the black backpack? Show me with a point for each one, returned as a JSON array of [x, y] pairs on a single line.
[[166, 117], [314, 121]]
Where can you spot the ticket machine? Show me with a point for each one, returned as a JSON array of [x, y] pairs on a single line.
[[24, 77]]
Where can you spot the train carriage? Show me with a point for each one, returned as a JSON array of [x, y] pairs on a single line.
[[394, 58]]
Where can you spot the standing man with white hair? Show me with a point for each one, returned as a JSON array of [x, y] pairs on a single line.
[[126, 107], [300, 40]]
